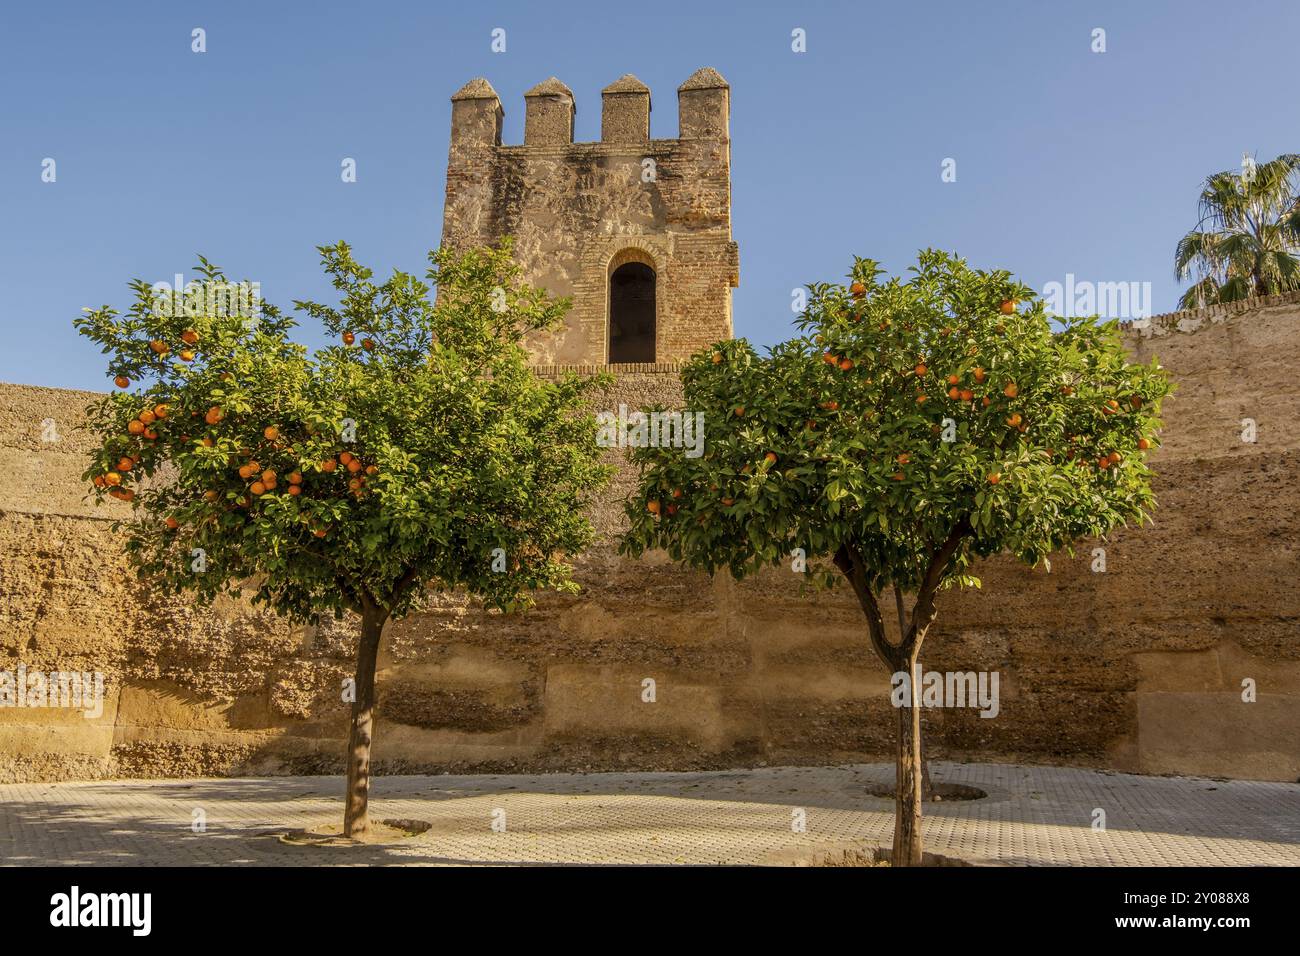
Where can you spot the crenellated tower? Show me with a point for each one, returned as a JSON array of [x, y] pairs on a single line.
[[636, 230]]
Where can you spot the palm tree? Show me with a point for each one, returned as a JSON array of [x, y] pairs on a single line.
[[1248, 240]]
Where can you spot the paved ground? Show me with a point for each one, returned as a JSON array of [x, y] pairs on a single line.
[[1032, 815]]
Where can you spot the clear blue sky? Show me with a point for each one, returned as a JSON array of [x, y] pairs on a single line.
[[1068, 161]]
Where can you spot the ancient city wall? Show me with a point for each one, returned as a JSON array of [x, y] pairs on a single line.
[[1138, 668]]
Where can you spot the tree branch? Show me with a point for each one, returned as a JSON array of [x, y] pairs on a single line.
[[923, 612], [850, 565]]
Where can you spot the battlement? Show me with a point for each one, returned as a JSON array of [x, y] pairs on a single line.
[[703, 108], [636, 231]]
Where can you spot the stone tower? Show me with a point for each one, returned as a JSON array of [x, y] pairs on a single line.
[[636, 230]]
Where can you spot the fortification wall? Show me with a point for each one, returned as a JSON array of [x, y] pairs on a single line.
[[1138, 668]]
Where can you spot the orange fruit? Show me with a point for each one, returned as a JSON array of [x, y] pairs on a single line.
[[1007, 307], [728, 502], [295, 477], [1144, 444], [208, 443], [985, 402], [739, 412], [846, 364], [150, 434], [966, 395], [1116, 458], [329, 464], [1112, 404], [652, 506], [829, 358], [172, 523], [348, 338], [271, 433], [899, 476], [186, 355], [831, 406], [125, 464], [161, 411], [368, 344], [122, 382], [922, 398], [770, 458], [954, 392], [147, 417], [268, 477], [112, 478], [904, 458], [320, 532], [1011, 391], [920, 370], [214, 415], [99, 481], [1103, 462], [354, 465], [953, 380], [210, 496], [372, 470], [355, 484], [717, 358], [345, 457], [810, 425], [1067, 390], [1013, 419], [979, 374], [257, 488], [190, 337], [158, 345], [677, 492], [858, 290], [995, 478], [295, 489]]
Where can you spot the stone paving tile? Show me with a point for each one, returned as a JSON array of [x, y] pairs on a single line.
[[1031, 816]]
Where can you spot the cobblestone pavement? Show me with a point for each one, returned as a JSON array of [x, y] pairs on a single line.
[[1032, 815]]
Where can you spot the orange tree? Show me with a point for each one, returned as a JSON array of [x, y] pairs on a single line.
[[916, 425], [419, 451]]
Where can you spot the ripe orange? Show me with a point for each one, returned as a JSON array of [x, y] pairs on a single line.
[[899, 476], [1067, 390], [677, 492], [122, 382], [1013, 419], [1144, 444], [846, 364], [295, 477], [995, 478], [112, 478], [1007, 307], [1116, 458], [979, 374], [190, 337], [672, 509], [953, 380], [99, 481], [268, 477], [356, 483], [214, 415], [345, 457], [831, 406], [1103, 462], [372, 470], [739, 411], [1011, 391], [210, 496], [652, 506], [985, 402], [829, 358], [920, 370], [922, 399], [354, 465], [246, 471], [348, 338], [717, 358], [147, 417], [329, 464], [810, 425], [172, 523], [161, 411], [954, 392], [257, 488], [158, 345], [271, 433], [728, 502], [368, 344], [186, 355], [320, 532], [967, 395], [904, 458], [125, 464], [208, 443], [295, 489], [150, 434], [1112, 404], [770, 458]]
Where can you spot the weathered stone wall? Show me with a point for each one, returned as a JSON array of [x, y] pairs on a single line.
[[576, 211], [1138, 668]]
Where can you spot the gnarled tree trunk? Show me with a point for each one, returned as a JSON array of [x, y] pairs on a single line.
[[356, 816]]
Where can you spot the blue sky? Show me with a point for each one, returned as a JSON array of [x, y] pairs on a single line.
[[1068, 161]]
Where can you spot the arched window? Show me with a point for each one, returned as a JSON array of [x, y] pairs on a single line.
[[632, 313]]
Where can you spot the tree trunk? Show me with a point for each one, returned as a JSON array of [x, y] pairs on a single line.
[[907, 805], [356, 817]]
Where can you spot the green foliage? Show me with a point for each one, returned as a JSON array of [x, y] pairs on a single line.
[[1248, 240], [860, 456], [460, 449]]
